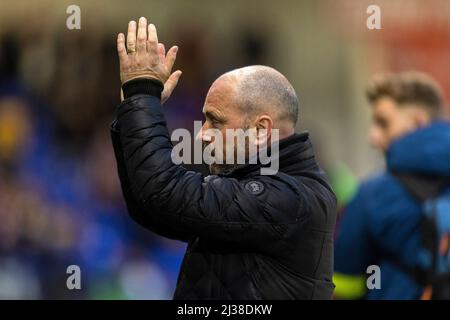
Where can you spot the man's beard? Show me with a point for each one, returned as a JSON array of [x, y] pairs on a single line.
[[217, 168]]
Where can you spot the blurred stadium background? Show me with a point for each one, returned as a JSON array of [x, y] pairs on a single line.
[[60, 202]]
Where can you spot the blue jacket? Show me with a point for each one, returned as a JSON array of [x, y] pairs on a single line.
[[381, 225]]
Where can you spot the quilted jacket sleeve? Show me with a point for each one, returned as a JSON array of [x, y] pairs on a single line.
[[174, 202]]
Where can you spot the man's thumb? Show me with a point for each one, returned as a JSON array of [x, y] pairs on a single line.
[[170, 85]]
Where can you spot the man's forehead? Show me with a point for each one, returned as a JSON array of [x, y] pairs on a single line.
[[385, 106], [214, 108], [220, 94]]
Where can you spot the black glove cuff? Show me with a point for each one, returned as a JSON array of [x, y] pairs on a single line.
[[142, 86]]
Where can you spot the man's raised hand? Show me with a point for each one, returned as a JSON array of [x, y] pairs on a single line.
[[144, 57]]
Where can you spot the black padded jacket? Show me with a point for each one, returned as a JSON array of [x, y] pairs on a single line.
[[250, 236]]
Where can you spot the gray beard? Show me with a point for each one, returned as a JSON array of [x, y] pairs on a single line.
[[220, 168]]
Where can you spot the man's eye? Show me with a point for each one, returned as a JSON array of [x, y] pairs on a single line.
[[215, 122], [383, 124]]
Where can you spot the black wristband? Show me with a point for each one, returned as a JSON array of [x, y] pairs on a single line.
[[142, 86]]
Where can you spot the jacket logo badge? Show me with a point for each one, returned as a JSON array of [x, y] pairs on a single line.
[[254, 187]]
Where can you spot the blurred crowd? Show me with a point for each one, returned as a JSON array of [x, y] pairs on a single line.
[[60, 198]]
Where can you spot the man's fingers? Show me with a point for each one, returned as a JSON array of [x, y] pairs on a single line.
[[173, 79], [131, 36], [170, 85], [162, 53], [152, 42], [121, 50], [142, 35], [171, 57], [141, 55]]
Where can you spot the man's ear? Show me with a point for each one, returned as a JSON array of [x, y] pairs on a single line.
[[264, 126]]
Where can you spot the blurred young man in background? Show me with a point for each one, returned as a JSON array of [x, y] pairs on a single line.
[[382, 224]]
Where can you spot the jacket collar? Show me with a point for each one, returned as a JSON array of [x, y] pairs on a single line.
[[424, 151], [295, 155]]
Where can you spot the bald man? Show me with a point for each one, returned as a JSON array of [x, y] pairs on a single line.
[[250, 235]]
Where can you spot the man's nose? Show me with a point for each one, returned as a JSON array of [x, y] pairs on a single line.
[[201, 135], [374, 137]]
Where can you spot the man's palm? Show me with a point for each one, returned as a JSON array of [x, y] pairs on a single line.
[[144, 57]]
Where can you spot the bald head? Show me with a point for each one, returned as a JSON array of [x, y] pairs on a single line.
[[254, 97], [261, 89]]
